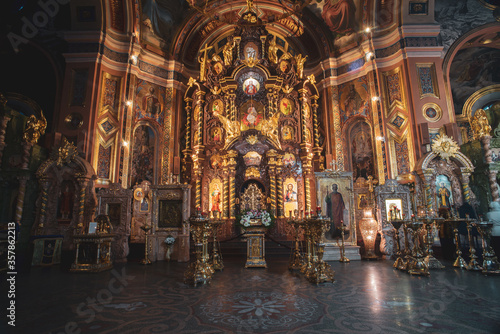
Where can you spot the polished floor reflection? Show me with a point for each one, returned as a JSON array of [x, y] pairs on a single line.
[[367, 297]]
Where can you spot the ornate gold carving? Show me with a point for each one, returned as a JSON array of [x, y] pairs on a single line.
[[253, 198], [35, 128], [203, 59], [273, 51], [232, 128], [251, 62], [227, 51], [270, 128], [191, 82], [445, 147], [300, 65], [287, 89], [252, 172], [312, 79], [252, 140], [480, 125], [216, 90], [66, 153]]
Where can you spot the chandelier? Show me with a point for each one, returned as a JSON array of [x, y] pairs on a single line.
[[211, 9]]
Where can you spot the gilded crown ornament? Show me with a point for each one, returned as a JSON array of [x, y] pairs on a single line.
[[66, 153], [480, 125], [252, 140], [445, 147]]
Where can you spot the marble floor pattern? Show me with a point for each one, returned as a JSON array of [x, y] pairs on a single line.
[[367, 297]]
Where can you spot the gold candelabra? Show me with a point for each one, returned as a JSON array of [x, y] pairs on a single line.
[[296, 258], [146, 229], [216, 257], [201, 270], [399, 263], [343, 258], [430, 260], [473, 262], [455, 223], [319, 271], [416, 265], [490, 261]]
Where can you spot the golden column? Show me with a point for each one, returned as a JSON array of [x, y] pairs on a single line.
[[306, 154], [232, 155], [198, 157], [319, 160], [271, 154], [466, 172], [83, 182], [187, 151], [279, 186], [225, 171]]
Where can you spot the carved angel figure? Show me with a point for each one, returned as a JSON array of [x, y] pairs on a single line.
[[227, 51], [35, 128], [232, 128], [300, 65], [270, 128], [273, 51]]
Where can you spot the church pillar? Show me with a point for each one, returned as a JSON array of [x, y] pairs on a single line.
[[23, 180], [272, 179], [198, 147], [44, 185], [186, 170], [466, 172], [225, 191], [427, 188], [232, 155], [83, 186], [3, 126], [279, 186], [232, 108], [318, 159]]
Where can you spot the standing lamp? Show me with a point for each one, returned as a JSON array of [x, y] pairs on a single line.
[[368, 227]]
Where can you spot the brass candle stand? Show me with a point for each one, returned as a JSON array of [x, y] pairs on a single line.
[[296, 258], [430, 260], [459, 261], [399, 263], [416, 264], [307, 258], [319, 271], [490, 261], [216, 257], [473, 262], [343, 258], [146, 229], [407, 251], [201, 270]]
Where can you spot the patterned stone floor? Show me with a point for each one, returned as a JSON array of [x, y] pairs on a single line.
[[367, 297]]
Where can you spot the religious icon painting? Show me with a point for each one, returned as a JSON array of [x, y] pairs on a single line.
[[149, 99], [289, 160], [286, 106], [251, 51], [251, 86], [290, 196], [143, 155], [218, 107], [252, 158], [216, 134], [287, 133], [362, 201], [444, 195], [144, 205], [218, 67], [251, 118], [215, 196]]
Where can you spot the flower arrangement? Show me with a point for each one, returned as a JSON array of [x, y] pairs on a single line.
[[169, 240], [266, 218]]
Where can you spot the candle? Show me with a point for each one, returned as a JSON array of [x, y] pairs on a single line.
[[290, 213]]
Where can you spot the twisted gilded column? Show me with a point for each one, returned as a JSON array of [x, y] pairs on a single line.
[[427, 188], [279, 187], [492, 175], [3, 126], [44, 185], [23, 180], [232, 155], [271, 154], [465, 184], [189, 102], [83, 182], [225, 191], [307, 190]]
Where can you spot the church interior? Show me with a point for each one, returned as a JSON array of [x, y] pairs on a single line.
[[250, 166]]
